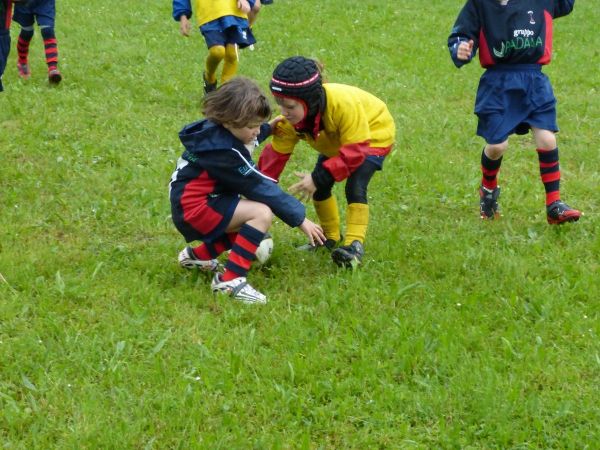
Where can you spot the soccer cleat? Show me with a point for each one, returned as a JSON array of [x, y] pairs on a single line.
[[208, 87], [559, 212], [348, 255], [329, 245], [238, 289], [188, 260], [24, 71], [488, 203], [54, 76]]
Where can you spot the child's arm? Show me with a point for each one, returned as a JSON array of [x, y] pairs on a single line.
[[182, 12], [236, 173], [463, 40], [563, 7], [272, 160]]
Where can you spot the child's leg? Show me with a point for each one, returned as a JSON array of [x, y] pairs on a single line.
[[491, 159], [23, 42], [328, 214], [216, 54], [211, 251], [251, 220], [357, 214], [51, 52], [557, 211], [547, 150], [231, 62]]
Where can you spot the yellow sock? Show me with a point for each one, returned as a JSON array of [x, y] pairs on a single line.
[[231, 63], [357, 219], [329, 217], [216, 54]]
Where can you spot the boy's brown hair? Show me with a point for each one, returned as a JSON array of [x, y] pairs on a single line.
[[238, 102]]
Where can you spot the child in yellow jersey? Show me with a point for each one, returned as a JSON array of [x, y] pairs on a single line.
[[352, 130], [224, 25]]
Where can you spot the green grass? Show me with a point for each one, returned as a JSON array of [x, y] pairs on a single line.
[[453, 334]]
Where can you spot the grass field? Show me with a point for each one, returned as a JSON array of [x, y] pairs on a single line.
[[453, 334]]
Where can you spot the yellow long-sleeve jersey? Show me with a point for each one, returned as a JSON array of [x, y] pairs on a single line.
[[351, 116]]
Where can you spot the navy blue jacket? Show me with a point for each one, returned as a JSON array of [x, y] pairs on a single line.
[[216, 163], [519, 32]]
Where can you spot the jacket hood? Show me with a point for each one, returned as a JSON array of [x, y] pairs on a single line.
[[205, 135]]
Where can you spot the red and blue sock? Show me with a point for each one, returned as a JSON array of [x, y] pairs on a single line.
[[489, 170], [242, 253], [550, 173]]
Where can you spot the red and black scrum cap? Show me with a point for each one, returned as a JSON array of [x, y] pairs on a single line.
[[299, 78]]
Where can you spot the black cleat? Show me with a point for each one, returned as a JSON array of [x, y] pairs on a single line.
[[488, 203], [559, 212], [348, 255]]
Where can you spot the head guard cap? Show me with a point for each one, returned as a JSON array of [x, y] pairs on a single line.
[[299, 78]]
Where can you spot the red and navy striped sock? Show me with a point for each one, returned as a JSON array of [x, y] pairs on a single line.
[[550, 173], [23, 45], [212, 250], [489, 170], [242, 253], [50, 47]]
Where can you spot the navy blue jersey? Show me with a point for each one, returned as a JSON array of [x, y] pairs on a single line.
[[519, 32], [213, 172]]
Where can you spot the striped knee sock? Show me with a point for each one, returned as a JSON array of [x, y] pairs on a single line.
[[550, 173], [50, 48], [489, 170], [242, 253], [23, 45], [206, 251]]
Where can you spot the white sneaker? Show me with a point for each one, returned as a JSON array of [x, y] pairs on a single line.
[[188, 260], [239, 289]]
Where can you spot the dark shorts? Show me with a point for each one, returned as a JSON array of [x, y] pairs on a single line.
[[243, 37], [512, 99], [205, 221], [41, 11], [4, 50]]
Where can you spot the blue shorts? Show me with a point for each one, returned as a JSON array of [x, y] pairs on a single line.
[[243, 37], [4, 49], [41, 11], [512, 99], [210, 219]]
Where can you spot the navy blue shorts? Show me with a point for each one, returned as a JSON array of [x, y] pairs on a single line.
[[4, 49], [243, 37], [512, 99], [41, 11], [209, 219]]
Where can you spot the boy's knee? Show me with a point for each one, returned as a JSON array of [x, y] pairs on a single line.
[[545, 140], [264, 213], [217, 51], [495, 151]]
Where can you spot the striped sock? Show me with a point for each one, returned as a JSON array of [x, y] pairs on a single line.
[[206, 251], [50, 48], [489, 170], [23, 45], [550, 173], [242, 253]]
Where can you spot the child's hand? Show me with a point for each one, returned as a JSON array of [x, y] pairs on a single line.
[[273, 124], [314, 232], [184, 26], [464, 50], [243, 6], [304, 188]]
